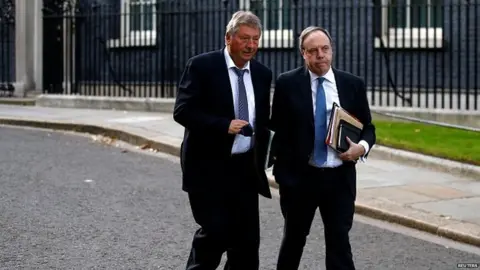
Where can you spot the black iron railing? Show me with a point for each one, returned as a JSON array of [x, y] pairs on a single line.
[[7, 47], [424, 55]]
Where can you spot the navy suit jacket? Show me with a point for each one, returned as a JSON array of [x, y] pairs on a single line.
[[204, 106], [293, 121]]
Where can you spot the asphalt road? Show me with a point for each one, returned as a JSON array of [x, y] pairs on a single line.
[[68, 202]]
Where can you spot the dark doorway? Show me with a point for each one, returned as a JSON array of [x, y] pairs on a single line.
[[53, 54]]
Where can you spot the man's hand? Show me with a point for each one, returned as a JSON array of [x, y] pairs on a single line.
[[354, 151], [236, 125]]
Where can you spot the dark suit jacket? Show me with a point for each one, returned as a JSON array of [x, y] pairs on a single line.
[[293, 120], [204, 106]]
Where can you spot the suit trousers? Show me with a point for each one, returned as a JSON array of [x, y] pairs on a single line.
[[333, 191], [228, 220]]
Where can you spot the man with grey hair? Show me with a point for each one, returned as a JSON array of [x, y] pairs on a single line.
[[223, 101], [311, 175]]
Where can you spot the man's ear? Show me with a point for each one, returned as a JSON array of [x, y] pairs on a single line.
[[228, 39]]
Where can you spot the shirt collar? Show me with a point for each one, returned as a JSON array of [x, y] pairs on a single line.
[[329, 76], [231, 64]]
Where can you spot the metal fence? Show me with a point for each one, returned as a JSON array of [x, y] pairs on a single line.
[[424, 55], [7, 47]]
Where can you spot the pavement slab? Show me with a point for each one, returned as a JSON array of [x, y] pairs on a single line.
[[438, 191], [467, 209], [395, 194], [439, 202]]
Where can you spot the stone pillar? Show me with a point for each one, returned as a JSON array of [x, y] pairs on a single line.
[[20, 48], [28, 36], [37, 44]]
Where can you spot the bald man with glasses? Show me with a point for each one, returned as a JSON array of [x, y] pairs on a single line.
[[310, 174]]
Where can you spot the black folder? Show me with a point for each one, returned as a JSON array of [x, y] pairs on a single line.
[[345, 129], [342, 124]]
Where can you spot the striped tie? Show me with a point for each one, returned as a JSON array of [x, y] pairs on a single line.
[[242, 96]]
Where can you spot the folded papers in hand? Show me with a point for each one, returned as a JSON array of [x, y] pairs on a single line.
[[342, 125]]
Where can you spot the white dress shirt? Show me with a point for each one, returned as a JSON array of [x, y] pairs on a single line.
[[241, 143], [331, 96]]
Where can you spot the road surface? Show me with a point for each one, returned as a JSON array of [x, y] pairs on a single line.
[[71, 202]]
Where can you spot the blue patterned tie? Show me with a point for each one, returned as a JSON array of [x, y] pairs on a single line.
[[320, 148], [242, 96]]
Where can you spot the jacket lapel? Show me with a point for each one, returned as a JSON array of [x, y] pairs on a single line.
[[257, 84], [305, 87], [225, 88], [342, 89]]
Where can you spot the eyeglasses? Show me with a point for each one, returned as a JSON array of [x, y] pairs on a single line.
[[315, 51]]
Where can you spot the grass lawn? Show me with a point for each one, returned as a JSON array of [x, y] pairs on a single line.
[[449, 143]]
